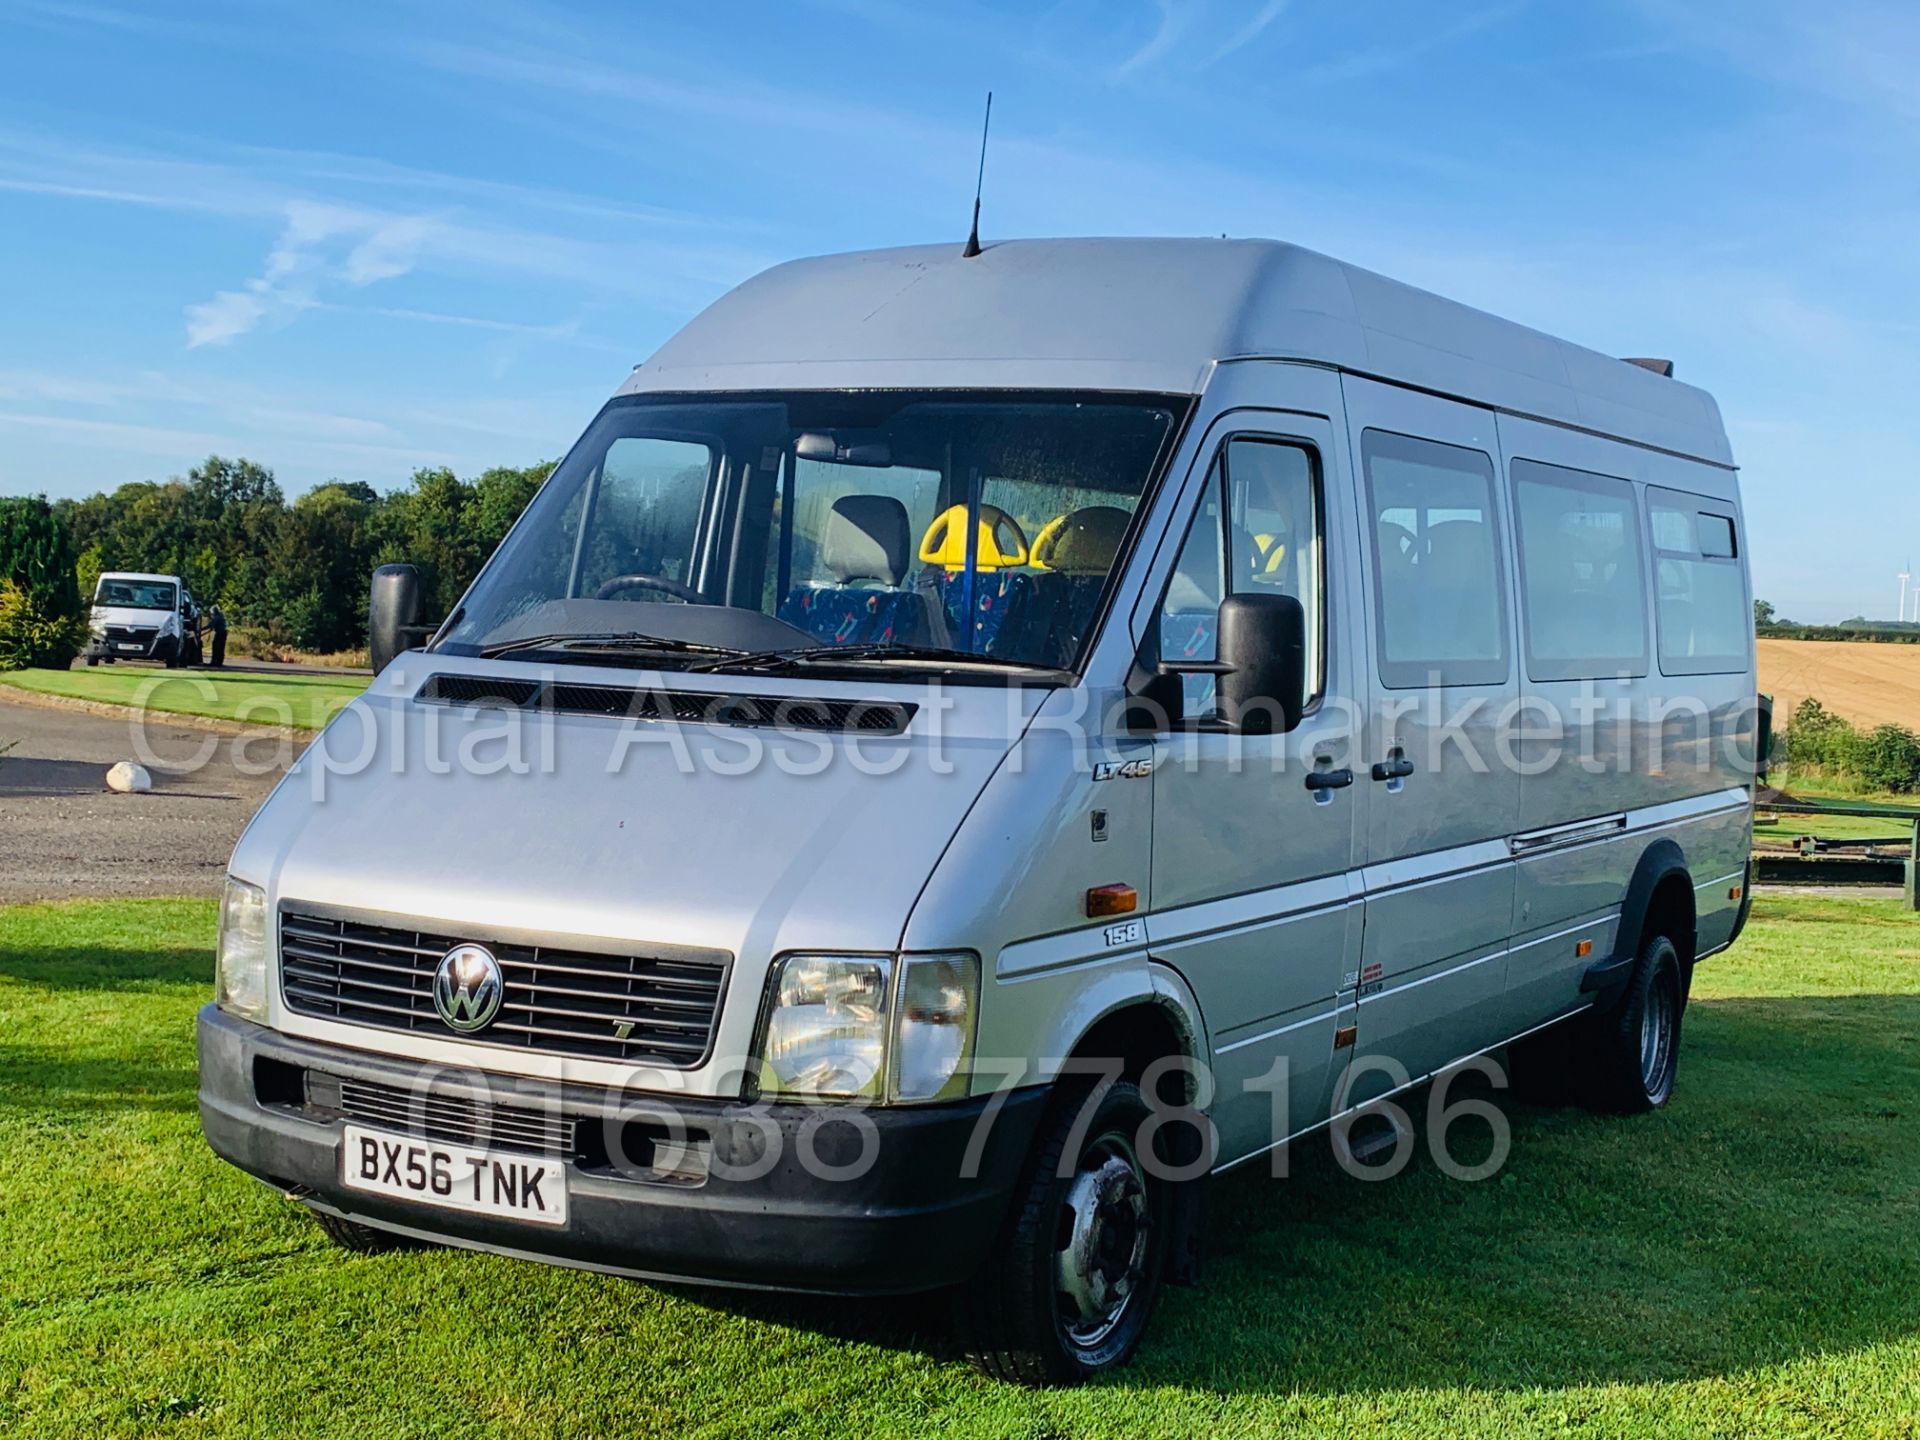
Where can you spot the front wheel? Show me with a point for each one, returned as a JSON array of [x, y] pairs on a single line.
[[1069, 1287]]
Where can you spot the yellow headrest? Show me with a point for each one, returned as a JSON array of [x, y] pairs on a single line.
[[1002, 542], [1273, 554], [1083, 542]]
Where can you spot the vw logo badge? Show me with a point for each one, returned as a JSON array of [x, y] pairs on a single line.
[[468, 988]]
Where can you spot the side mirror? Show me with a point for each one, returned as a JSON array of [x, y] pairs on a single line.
[[1260, 672], [1262, 653], [393, 614]]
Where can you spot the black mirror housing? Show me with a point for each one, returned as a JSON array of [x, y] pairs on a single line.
[[1262, 653], [393, 613]]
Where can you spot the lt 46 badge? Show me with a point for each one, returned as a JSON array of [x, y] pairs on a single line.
[[1122, 769]]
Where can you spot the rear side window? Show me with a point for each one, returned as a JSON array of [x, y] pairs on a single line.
[[1440, 610], [1705, 622], [1582, 582]]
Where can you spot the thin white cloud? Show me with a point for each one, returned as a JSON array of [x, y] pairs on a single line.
[[1252, 30], [1174, 20], [228, 316], [1381, 59]]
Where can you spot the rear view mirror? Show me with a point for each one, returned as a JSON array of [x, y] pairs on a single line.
[[393, 614], [1262, 652], [844, 449]]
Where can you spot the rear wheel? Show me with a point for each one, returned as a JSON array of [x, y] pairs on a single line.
[[1637, 1045], [1067, 1291], [1623, 1059], [361, 1239]]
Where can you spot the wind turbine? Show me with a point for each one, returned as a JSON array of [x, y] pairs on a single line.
[[1905, 576]]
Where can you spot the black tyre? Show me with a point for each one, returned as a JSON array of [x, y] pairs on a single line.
[[92, 660], [1636, 1045], [1069, 1287], [361, 1239]]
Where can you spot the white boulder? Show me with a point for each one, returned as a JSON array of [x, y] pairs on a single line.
[[127, 778]]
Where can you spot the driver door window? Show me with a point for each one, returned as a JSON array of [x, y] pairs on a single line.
[[1260, 529], [646, 514]]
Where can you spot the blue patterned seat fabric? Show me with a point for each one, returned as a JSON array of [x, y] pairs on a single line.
[[865, 553], [994, 594]]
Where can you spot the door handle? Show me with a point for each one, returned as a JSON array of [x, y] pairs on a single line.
[[1318, 780], [1396, 769]]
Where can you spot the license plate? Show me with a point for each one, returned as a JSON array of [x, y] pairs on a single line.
[[131, 645], [454, 1177]]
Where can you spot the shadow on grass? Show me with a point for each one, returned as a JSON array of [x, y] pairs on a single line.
[[53, 1082], [107, 966], [1767, 1214]]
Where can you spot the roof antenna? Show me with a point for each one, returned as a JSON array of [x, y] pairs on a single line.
[[973, 239]]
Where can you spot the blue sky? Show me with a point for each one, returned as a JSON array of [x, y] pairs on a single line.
[[346, 240]]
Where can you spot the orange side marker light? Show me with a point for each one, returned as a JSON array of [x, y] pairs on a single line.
[[1112, 900], [1583, 949]]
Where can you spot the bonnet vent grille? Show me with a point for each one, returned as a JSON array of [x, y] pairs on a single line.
[[698, 707]]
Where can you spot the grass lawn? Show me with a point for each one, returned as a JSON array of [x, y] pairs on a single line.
[[1747, 1262], [304, 701]]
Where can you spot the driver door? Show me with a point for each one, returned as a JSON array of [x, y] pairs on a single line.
[[1254, 900]]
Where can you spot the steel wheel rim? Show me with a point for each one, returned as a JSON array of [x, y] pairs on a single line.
[[1103, 1240], [1656, 1034]]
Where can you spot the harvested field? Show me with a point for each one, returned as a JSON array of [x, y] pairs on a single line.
[[1867, 683]]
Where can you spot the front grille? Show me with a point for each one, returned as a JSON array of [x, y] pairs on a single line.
[[133, 634], [693, 707], [645, 1010], [452, 1114]]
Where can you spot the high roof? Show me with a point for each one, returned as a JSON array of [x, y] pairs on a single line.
[[1149, 315]]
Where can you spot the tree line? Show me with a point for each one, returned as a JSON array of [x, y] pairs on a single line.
[[295, 570]]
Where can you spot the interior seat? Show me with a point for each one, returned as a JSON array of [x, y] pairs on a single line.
[[866, 553], [1047, 620], [999, 547]]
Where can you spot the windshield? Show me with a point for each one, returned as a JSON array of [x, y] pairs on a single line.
[[845, 527], [135, 594]]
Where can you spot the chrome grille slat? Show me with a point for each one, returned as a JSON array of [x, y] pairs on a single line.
[[508, 963], [556, 1001]]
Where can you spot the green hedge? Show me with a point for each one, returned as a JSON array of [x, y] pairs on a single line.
[[1885, 758]]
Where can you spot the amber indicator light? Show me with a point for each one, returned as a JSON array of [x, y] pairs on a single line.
[[1112, 900]]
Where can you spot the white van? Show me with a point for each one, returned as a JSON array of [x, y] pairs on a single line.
[[965, 747], [137, 616]]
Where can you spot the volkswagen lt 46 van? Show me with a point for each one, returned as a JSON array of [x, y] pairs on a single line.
[[966, 747]]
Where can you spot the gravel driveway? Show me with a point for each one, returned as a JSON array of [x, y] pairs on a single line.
[[63, 834]]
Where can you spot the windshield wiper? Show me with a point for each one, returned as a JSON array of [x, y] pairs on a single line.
[[615, 643], [769, 660]]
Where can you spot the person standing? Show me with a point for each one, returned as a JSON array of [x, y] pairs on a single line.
[[217, 623]]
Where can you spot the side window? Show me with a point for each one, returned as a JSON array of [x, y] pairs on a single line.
[[1704, 619], [1260, 528], [1439, 587], [646, 513], [1581, 579]]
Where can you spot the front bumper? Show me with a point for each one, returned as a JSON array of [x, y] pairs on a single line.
[[121, 644], [911, 1219]]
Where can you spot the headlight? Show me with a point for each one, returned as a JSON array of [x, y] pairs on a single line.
[[861, 1027], [240, 971], [939, 1004], [825, 1029]]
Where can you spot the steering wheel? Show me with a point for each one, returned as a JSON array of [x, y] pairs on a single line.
[[684, 593]]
